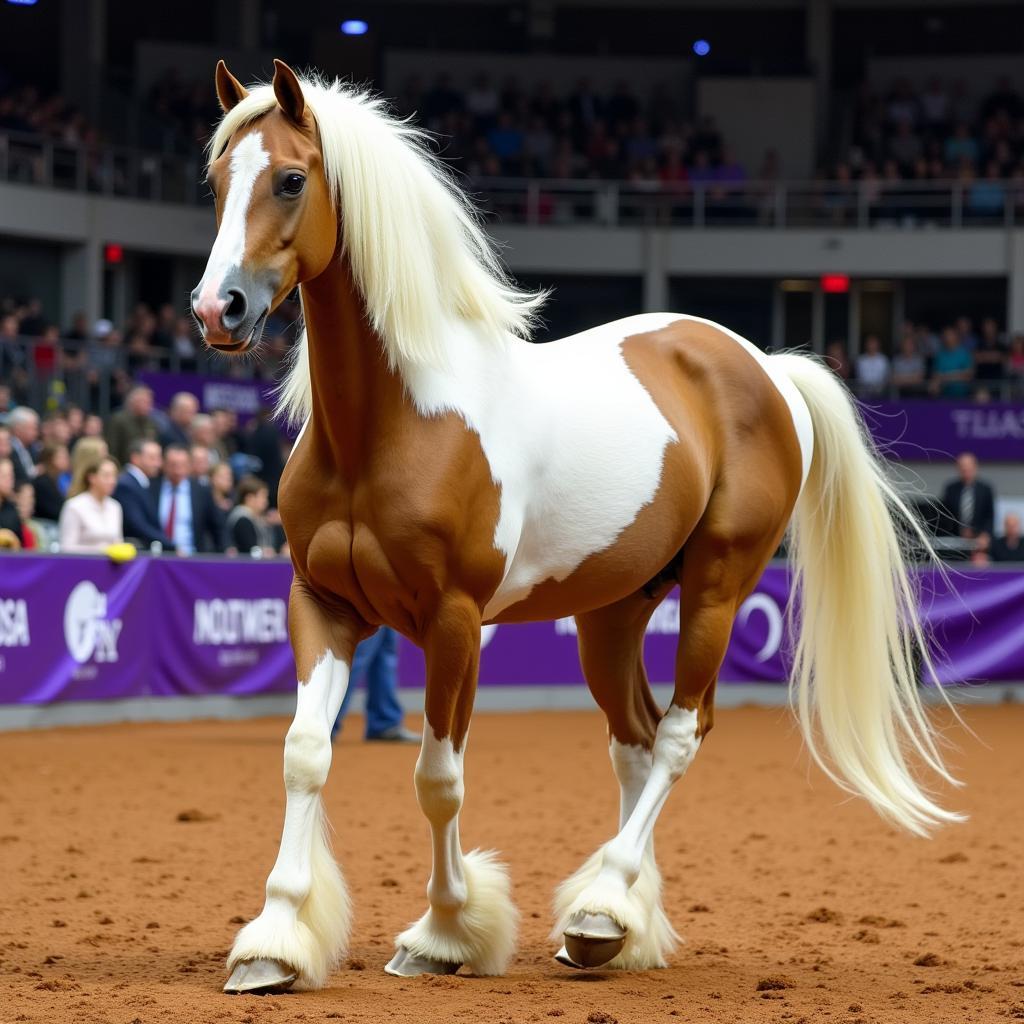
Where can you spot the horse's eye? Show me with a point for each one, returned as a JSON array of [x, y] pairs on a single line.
[[293, 184]]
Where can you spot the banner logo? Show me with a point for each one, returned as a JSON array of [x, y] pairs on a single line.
[[223, 622], [88, 633], [14, 623], [773, 613]]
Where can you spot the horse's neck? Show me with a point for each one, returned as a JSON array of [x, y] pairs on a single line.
[[352, 387]]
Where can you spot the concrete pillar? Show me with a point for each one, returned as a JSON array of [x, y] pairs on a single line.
[[83, 53], [1015, 283], [81, 284], [819, 58], [656, 293]]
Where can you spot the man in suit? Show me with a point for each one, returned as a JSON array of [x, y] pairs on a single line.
[[969, 501], [135, 491], [185, 509], [23, 424]]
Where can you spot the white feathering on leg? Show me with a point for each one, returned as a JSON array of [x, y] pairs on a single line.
[[313, 941], [650, 937], [482, 933]]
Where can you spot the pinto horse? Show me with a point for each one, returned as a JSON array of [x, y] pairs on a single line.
[[449, 474]]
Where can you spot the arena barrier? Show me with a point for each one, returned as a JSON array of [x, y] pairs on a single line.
[[82, 629]]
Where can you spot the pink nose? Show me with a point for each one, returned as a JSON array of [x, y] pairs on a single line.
[[209, 310]]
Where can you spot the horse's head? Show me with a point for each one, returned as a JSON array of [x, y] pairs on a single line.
[[276, 223]]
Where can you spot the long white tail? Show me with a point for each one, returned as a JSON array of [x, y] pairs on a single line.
[[854, 675]]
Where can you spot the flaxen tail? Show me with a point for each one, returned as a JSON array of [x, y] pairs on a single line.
[[854, 681]]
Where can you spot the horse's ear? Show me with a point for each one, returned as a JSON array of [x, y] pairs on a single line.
[[288, 92], [230, 90]]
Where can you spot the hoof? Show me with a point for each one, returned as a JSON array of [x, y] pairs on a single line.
[[562, 957], [408, 965], [260, 977], [591, 940]]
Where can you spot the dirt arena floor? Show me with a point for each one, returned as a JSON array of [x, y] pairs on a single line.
[[795, 905]]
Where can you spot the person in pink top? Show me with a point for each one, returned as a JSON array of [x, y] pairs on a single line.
[[91, 520]]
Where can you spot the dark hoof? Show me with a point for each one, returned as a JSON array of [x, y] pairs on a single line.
[[260, 978], [408, 965], [592, 940]]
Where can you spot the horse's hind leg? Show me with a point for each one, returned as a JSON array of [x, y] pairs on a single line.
[[723, 560], [611, 653], [303, 928]]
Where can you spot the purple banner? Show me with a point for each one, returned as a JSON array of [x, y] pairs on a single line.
[[940, 429], [245, 397], [85, 629]]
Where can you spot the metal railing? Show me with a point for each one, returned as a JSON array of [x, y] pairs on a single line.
[[131, 173], [114, 171], [43, 373], [816, 204]]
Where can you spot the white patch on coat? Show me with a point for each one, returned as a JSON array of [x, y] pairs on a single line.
[[573, 439], [247, 163]]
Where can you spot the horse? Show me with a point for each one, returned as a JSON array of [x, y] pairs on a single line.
[[449, 474]]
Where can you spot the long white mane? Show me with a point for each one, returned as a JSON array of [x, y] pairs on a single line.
[[418, 254]]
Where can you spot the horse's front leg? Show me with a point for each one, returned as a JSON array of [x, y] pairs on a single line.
[[471, 919], [303, 929]]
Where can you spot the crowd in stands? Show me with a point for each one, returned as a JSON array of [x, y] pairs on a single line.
[[956, 362], [176, 481], [505, 130], [940, 133], [34, 348]]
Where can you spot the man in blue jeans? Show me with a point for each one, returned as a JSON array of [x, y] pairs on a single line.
[[377, 659]]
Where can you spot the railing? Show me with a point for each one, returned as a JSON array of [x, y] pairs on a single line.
[[101, 170], [132, 173], [817, 204], [42, 373]]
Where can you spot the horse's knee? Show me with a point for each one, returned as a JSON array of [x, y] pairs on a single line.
[[439, 782], [307, 758]]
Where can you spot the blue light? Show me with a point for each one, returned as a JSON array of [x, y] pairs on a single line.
[[354, 27], [702, 47], [23, 3]]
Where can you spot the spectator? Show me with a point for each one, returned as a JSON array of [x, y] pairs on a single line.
[[134, 422], [51, 482], [222, 491], [182, 411], [969, 501], [248, 530], [264, 443], [92, 426], [184, 507], [1010, 546], [87, 452], [202, 433], [91, 520], [201, 463], [989, 353], [872, 367], [10, 521], [1015, 359], [908, 368], [24, 426], [953, 367], [227, 439], [33, 535], [136, 494]]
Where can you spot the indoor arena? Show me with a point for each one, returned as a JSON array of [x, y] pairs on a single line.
[[511, 510]]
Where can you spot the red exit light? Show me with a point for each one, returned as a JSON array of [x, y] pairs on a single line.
[[113, 253], [835, 283]]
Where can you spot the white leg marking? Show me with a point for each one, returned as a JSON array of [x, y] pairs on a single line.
[[622, 879], [305, 920], [471, 919]]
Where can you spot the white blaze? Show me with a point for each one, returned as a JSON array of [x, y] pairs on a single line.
[[247, 163]]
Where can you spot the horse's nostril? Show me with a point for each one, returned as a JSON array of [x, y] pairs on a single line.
[[235, 310]]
